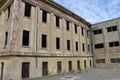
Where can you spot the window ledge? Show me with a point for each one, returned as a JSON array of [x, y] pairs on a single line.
[[44, 48], [58, 27], [68, 50], [57, 49], [68, 30], [27, 17], [45, 23], [26, 46]]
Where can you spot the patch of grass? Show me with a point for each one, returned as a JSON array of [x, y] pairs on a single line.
[[46, 72]]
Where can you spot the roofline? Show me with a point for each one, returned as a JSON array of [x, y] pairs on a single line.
[[106, 21], [62, 8], [69, 12]]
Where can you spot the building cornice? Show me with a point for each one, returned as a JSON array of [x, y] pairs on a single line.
[[39, 54], [4, 4], [59, 7], [64, 10]]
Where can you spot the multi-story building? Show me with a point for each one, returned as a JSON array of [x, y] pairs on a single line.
[[106, 43], [40, 37]]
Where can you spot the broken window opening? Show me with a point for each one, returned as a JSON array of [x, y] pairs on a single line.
[[44, 41], [6, 38], [76, 46], [67, 25], [57, 43], [57, 21], [27, 10], [25, 39], [68, 44], [44, 16], [25, 69]]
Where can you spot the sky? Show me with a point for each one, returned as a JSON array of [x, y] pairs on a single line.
[[93, 11]]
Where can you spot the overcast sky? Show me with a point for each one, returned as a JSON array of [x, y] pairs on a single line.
[[93, 11]]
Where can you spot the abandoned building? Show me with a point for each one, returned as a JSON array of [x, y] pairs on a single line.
[[106, 42], [40, 37]]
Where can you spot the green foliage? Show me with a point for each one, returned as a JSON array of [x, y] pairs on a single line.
[[73, 72], [80, 70], [46, 72]]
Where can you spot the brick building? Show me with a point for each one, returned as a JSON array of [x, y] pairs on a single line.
[[40, 37]]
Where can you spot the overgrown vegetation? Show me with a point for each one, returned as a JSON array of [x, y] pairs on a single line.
[[46, 72]]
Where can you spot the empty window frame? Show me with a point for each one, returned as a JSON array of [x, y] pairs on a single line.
[[87, 33], [44, 41], [82, 31], [59, 66], [114, 44], [25, 69], [45, 68], [67, 25], [85, 64], [9, 11], [57, 21], [88, 48], [99, 31], [83, 47], [78, 65], [97, 46], [90, 63], [70, 65], [113, 28], [76, 44], [44, 16], [2, 70], [68, 44], [27, 10], [100, 60], [6, 38], [57, 43], [115, 60], [75, 28], [25, 39]]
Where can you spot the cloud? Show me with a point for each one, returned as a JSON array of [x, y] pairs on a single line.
[[93, 10]]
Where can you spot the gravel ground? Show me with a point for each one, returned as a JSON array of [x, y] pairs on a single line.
[[93, 74]]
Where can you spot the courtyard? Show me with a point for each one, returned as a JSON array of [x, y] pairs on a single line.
[[93, 74]]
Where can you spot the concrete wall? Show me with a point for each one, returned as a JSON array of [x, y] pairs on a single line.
[[13, 65], [15, 53], [107, 52]]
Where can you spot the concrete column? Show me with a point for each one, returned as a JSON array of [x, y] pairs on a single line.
[[86, 44], [106, 47], [72, 38], [80, 41], [118, 31], [35, 23], [15, 25], [52, 34], [63, 47], [92, 47]]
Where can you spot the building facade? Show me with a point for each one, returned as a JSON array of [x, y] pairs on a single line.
[[40, 37], [106, 43]]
